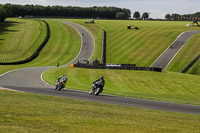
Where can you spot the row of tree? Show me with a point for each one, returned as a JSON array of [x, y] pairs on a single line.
[[186, 17], [69, 11]]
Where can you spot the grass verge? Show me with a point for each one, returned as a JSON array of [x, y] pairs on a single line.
[[166, 86], [186, 55], [63, 46], [23, 112], [20, 38], [195, 69]]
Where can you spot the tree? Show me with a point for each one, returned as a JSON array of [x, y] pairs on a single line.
[[127, 12], [4, 12], [145, 16], [175, 16], [121, 15], [167, 17], [136, 15]]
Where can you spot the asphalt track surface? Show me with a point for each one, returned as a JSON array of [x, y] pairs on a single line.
[[168, 55], [29, 80]]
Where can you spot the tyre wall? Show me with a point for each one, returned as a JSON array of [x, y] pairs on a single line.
[[118, 67]]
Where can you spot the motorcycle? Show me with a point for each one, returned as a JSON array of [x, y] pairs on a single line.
[[95, 89], [60, 83]]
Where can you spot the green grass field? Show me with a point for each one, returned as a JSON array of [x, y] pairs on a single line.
[[166, 86], [195, 69], [23, 112], [63, 46], [186, 55], [141, 47], [20, 38]]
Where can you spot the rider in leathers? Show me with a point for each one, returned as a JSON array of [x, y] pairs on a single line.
[[61, 78], [100, 83]]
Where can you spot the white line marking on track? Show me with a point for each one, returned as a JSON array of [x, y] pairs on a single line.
[[8, 89]]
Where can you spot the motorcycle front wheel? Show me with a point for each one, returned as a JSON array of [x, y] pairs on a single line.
[[60, 87]]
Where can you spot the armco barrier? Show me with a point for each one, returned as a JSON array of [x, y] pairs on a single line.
[[118, 67], [190, 64], [35, 54]]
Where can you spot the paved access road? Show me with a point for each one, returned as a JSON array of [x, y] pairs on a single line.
[[167, 56], [29, 80]]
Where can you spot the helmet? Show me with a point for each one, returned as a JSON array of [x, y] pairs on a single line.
[[101, 77]]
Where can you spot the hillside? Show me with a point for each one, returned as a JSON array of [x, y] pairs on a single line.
[[141, 47], [186, 55], [165, 86], [63, 46], [20, 38], [25, 112]]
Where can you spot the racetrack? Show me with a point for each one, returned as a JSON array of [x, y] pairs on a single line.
[[29, 80], [167, 56]]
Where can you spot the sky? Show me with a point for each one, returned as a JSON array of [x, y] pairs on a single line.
[[157, 8]]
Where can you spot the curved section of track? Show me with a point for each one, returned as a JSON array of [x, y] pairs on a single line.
[[29, 80], [131, 102], [167, 56], [31, 77], [87, 46]]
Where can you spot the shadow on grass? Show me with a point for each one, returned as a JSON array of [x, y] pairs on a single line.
[[4, 27]]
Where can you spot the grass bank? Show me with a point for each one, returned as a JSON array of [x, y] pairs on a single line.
[[23, 112], [165, 86], [20, 38], [63, 46], [186, 55], [195, 69], [141, 47]]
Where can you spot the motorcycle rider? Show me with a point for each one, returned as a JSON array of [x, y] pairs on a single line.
[[60, 79], [99, 83], [64, 77]]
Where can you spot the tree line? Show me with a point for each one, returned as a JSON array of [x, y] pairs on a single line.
[[60, 11], [185, 17]]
